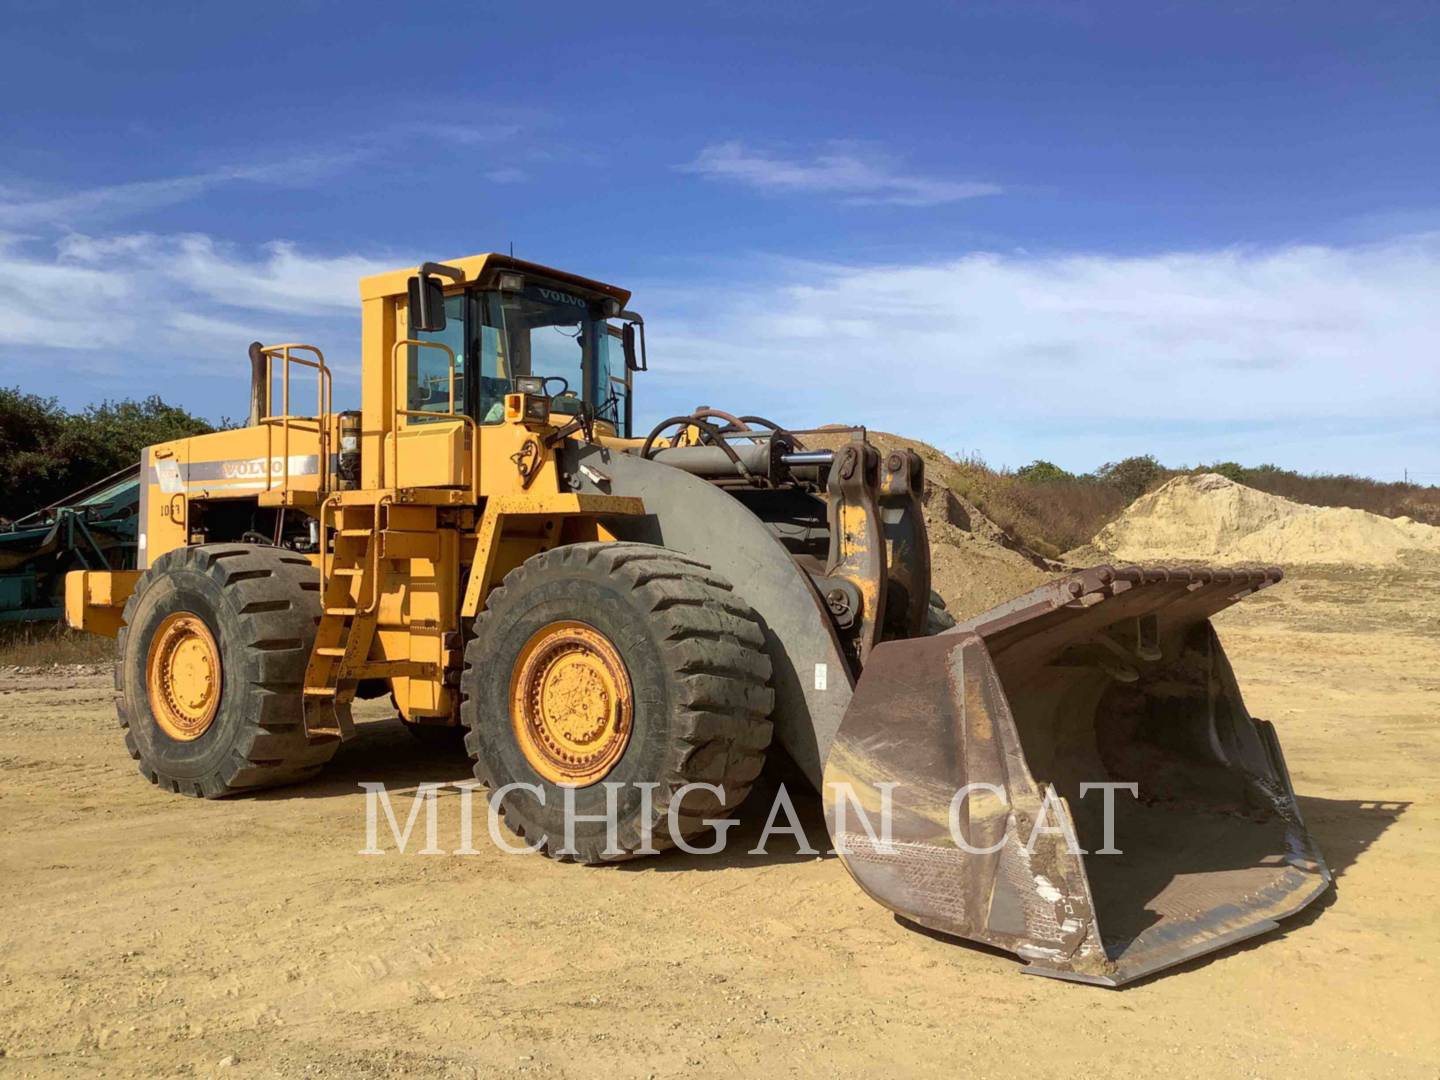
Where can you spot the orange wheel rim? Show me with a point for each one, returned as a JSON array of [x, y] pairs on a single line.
[[182, 674], [571, 704]]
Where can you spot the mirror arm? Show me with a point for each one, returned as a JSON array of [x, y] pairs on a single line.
[[425, 293], [454, 273]]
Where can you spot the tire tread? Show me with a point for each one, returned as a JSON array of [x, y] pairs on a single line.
[[274, 595], [712, 643]]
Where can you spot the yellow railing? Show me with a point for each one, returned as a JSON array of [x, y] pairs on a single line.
[[285, 420]]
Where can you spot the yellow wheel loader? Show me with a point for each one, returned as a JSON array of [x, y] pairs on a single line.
[[1071, 776]]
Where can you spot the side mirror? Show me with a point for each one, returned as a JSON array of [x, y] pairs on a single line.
[[627, 339], [427, 304]]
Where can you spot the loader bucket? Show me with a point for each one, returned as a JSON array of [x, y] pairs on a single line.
[[1112, 675]]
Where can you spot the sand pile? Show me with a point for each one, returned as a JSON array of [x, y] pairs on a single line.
[[1210, 517]]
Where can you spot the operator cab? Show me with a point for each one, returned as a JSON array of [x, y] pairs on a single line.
[[514, 324]]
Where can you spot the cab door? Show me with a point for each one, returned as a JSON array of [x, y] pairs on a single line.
[[433, 446]]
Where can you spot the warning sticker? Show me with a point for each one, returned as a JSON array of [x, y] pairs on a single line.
[[167, 471]]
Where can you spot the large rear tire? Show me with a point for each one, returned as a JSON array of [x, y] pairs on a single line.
[[599, 664], [211, 662]]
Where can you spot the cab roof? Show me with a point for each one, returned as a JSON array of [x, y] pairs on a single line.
[[475, 268]]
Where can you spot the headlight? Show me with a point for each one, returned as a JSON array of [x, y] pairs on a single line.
[[527, 409]]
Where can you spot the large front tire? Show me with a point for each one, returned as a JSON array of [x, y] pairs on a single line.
[[210, 666], [632, 665]]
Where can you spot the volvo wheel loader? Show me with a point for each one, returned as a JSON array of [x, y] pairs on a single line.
[[488, 540]]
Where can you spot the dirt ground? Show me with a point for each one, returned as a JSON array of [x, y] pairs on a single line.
[[146, 934]]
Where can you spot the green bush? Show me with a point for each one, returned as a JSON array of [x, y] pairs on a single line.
[[1231, 470], [1132, 476], [32, 470], [1042, 472]]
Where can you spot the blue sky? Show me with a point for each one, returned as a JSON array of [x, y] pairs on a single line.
[[1070, 231]]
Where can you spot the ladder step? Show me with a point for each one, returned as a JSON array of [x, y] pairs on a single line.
[[320, 691], [326, 650], [346, 571], [342, 611], [354, 532]]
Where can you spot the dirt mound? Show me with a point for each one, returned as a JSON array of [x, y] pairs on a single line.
[[971, 565], [1209, 517], [974, 563]]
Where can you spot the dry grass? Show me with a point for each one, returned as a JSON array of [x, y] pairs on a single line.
[[1058, 515], [1387, 500], [1051, 517], [41, 645], [1048, 518]]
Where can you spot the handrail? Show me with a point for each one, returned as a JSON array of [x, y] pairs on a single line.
[[323, 391], [372, 602], [327, 557], [396, 382]]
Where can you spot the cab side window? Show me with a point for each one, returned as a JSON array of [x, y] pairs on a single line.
[[614, 391], [494, 376], [428, 376]]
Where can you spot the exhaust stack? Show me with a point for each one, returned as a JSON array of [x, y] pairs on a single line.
[[259, 391]]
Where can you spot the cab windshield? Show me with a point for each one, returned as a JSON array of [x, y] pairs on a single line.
[[497, 336]]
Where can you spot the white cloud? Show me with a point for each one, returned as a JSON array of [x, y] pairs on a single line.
[[278, 278], [37, 303], [69, 209], [467, 134], [507, 174], [141, 308], [1207, 354], [76, 295], [23, 210], [35, 207], [1316, 357], [853, 172]]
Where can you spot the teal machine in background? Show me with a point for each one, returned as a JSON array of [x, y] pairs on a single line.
[[92, 529]]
